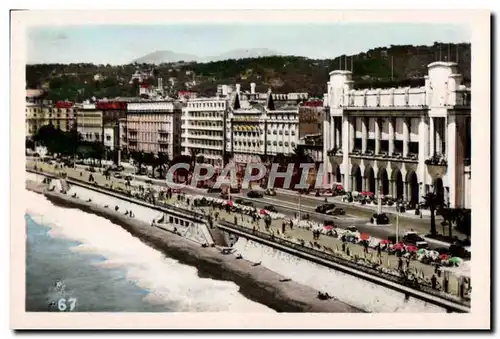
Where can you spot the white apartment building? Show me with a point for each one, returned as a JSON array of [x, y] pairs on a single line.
[[154, 126], [203, 128], [404, 141], [89, 122], [254, 129]]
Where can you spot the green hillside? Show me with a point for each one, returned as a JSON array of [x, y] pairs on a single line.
[[380, 67]]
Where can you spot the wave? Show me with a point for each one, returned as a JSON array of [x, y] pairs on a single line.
[[166, 280]]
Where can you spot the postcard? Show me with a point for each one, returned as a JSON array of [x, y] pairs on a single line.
[[250, 169]]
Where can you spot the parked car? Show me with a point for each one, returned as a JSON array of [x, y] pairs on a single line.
[[150, 182], [353, 229], [234, 190], [117, 175], [336, 211], [324, 208], [271, 208], [128, 177], [270, 192], [214, 190], [91, 169], [411, 239], [254, 194]]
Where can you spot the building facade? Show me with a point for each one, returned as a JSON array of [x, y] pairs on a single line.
[[41, 112], [404, 141], [89, 122], [153, 127], [204, 129]]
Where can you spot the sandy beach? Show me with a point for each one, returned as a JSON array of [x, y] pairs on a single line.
[[256, 282]]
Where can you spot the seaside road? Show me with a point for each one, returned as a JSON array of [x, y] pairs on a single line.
[[276, 225], [283, 203]]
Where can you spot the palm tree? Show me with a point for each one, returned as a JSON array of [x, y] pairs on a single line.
[[433, 202], [149, 160], [138, 157], [162, 161]]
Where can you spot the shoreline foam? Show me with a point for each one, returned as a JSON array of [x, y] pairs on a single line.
[[255, 282]]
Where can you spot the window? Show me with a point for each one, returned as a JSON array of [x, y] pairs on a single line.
[[275, 132], [269, 143], [275, 143], [293, 144], [286, 144], [292, 132], [281, 143], [286, 132], [108, 138], [280, 132]]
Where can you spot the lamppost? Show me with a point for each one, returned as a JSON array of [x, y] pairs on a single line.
[[300, 194]]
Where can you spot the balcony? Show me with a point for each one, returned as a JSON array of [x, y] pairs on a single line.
[[132, 137], [162, 141], [162, 131], [436, 160], [132, 130], [385, 156]]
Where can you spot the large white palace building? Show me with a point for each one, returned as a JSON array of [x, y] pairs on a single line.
[[404, 141]]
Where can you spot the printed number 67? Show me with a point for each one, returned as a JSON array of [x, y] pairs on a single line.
[[62, 306]]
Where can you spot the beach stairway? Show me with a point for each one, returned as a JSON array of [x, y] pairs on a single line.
[[64, 186], [199, 233]]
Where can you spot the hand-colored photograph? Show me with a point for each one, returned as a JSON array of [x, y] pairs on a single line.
[[248, 167]]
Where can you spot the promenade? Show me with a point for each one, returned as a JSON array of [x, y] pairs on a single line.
[[328, 244]]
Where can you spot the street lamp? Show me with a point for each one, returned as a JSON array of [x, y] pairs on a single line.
[[300, 194]]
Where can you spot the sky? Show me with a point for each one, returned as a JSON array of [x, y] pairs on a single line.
[[115, 44]]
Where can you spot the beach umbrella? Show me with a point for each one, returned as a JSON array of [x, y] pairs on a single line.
[[229, 203], [385, 242], [263, 212], [398, 246], [422, 251], [328, 227], [456, 260], [411, 248], [444, 256], [364, 236]]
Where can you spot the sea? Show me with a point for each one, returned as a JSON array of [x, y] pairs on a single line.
[[79, 262]]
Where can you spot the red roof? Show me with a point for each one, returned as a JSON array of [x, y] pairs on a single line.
[[64, 104], [314, 103], [111, 105]]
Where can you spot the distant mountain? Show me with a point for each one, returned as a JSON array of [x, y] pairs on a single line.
[[243, 54], [384, 67], [160, 57]]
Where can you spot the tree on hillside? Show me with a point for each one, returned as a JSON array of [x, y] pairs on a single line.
[[138, 158]]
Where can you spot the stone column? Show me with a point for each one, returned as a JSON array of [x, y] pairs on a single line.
[[364, 134], [392, 188], [333, 135], [438, 128], [326, 135], [352, 132], [377, 136], [406, 136], [345, 151], [391, 135], [405, 191], [432, 137], [452, 163], [338, 133]]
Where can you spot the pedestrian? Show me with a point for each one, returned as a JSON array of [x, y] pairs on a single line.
[[434, 282], [283, 227], [445, 285], [343, 247], [348, 252], [400, 264], [235, 220], [291, 224]]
